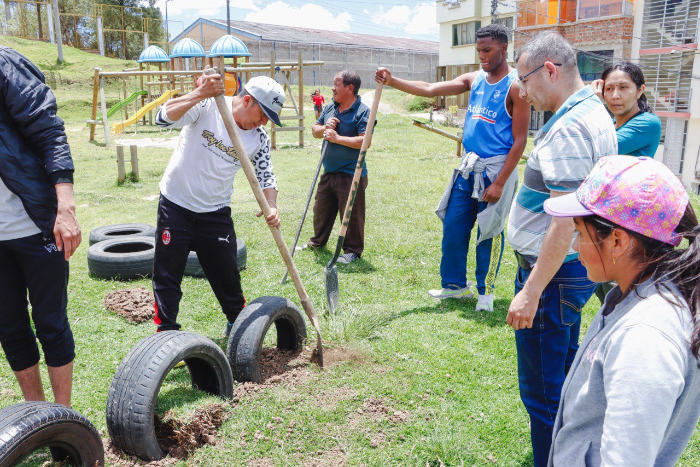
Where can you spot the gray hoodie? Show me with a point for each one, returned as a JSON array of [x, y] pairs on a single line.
[[632, 395]]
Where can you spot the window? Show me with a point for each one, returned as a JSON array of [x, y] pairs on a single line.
[[465, 33], [592, 64], [588, 9], [508, 23]]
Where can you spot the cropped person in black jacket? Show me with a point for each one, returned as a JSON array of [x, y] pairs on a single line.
[[38, 229]]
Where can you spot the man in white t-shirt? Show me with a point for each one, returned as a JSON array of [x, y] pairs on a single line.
[[194, 211]]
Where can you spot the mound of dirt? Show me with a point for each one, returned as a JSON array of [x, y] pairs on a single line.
[[180, 437], [136, 305]]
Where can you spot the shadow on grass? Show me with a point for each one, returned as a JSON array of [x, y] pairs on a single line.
[[359, 266], [465, 309]]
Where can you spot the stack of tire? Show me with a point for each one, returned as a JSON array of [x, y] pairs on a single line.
[[126, 251]]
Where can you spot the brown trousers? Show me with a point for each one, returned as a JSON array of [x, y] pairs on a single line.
[[331, 198]]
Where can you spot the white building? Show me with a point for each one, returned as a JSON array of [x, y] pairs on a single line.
[[665, 44], [459, 20]]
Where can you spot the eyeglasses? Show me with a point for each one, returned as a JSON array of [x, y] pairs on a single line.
[[521, 81]]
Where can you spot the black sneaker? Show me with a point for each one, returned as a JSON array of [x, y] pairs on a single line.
[[227, 330]]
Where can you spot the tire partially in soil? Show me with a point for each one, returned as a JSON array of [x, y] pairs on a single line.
[[134, 390], [30, 426], [109, 232], [248, 333], [193, 268], [122, 258]]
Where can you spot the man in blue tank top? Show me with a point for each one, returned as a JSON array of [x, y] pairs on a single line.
[[482, 189]]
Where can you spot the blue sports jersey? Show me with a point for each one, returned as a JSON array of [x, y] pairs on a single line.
[[488, 127]]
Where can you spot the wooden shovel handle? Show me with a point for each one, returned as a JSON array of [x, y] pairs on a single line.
[[361, 160], [249, 171]]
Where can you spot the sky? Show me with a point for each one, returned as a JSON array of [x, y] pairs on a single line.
[[397, 18]]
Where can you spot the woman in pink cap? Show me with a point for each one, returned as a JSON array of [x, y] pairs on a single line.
[[632, 395]]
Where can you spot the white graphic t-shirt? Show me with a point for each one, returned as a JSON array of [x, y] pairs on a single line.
[[200, 174]]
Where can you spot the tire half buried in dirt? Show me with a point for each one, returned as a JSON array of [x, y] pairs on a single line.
[[193, 268], [108, 232], [29, 426], [122, 258], [134, 390], [248, 333]]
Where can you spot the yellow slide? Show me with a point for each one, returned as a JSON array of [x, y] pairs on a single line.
[[119, 127]]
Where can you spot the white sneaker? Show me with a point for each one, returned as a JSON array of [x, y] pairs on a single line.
[[485, 303], [347, 258], [441, 294]]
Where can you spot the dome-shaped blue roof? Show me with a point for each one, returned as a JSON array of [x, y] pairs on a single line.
[[228, 46], [153, 54], [187, 48]]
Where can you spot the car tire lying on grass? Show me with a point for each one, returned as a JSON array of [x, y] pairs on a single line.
[[248, 333], [193, 268], [122, 258], [29, 426], [109, 232], [134, 390]]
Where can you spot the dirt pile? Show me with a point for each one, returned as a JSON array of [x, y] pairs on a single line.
[[136, 305], [179, 437]]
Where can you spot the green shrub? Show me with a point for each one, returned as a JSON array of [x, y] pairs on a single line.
[[419, 104]]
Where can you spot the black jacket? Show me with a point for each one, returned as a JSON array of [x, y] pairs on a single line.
[[34, 152]]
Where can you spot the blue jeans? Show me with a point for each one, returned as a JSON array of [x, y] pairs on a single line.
[[456, 235], [547, 350]]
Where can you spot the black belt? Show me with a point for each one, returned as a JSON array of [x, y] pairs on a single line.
[[522, 261]]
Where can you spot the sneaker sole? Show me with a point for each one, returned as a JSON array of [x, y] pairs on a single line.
[[460, 296]]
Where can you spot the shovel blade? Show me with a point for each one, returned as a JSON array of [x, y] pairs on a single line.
[[332, 292]]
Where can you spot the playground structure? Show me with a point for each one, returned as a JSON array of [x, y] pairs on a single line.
[[156, 86]]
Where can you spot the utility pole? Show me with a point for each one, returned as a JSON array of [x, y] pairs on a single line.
[[228, 17]]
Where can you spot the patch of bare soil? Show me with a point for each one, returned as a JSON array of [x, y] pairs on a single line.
[[378, 409], [333, 458], [136, 305], [114, 456], [328, 399], [277, 367], [264, 462]]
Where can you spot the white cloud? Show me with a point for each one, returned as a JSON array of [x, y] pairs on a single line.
[[306, 16], [419, 19], [245, 5], [395, 15], [423, 21]]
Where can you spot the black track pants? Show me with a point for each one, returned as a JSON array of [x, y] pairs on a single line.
[[212, 236]]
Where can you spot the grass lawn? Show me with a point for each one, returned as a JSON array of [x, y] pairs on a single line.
[[414, 382]]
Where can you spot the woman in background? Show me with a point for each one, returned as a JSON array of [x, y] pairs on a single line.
[[621, 88]]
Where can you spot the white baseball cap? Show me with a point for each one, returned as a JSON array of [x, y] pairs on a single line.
[[269, 94]]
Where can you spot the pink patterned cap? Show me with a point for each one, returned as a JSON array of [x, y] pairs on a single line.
[[639, 194]]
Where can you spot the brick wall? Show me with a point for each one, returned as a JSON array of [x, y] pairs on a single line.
[[604, 31]]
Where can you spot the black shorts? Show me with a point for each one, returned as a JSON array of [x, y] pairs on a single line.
[[317, 108], [34, 265]]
